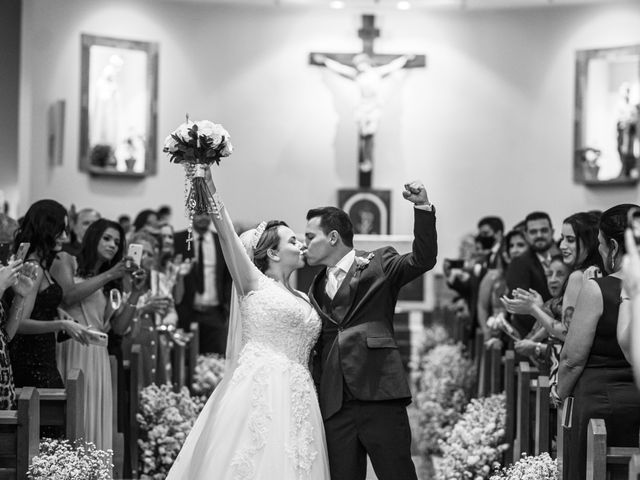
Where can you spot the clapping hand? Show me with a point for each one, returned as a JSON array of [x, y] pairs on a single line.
[[416, 193], [157, 304], [523, 301]]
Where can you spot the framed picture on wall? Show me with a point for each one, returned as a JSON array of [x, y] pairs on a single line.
[[369, 210], [118, 118], [607, 107]]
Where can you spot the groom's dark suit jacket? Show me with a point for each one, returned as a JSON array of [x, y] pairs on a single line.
[[357, 347]]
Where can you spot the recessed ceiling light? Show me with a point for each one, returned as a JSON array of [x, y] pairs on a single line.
[[337, 4], [403, 5]]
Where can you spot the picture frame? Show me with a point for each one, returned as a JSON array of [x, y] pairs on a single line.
[[118, 107], [369, 210], [607, 107]]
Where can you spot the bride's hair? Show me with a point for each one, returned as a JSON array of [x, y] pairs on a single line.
[[269, 240]]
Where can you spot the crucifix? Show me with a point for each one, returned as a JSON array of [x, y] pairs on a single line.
[[367, 69]]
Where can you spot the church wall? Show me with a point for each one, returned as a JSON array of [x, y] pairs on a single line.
[[488, 125], [9, 82]]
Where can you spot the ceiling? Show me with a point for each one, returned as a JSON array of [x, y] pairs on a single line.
[[415, 4]]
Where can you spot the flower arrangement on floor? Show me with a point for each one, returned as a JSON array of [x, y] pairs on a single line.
[[165, 419], [62, 460], [475, 445], [444, 386], [208, 374], [540, 467]]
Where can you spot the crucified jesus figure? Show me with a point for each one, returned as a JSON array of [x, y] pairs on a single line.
[[368, 79]]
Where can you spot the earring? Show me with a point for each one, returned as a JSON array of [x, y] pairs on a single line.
[[613, 263]]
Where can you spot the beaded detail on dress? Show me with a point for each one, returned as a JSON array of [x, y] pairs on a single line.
[[278, 332]]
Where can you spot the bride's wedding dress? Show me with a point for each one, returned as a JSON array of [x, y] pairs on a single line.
[[263, 422]]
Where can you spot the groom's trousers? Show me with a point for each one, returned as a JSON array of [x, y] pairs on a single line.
[[378, 429]]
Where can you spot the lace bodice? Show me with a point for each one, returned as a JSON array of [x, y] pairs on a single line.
[[276, 319]]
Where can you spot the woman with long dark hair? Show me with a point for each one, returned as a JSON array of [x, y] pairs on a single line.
[[92, 289], [593, 368], [33, 349]]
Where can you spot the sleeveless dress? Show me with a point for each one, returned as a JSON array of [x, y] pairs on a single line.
[[93, 360], [33, 357], [606, 389], [267, 424]]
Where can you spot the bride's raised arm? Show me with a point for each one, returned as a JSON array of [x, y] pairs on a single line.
[[243, 272]]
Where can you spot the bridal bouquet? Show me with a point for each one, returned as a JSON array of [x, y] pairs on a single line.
[[197, 145], [475, 444], [165, 419], [60, 460]]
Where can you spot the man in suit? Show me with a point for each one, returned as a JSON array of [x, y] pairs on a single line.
[[363, 387], [207, 287], [529, 269]]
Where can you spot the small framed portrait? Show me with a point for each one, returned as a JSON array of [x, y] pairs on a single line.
[[369, 210]]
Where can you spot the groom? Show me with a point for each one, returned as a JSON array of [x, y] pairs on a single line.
[[362, 384]]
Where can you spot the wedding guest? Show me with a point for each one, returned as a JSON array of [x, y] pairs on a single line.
[[8, 227], [164, 214], [89, 286], [83, 219], [629, 319], [33, 349], [125, 223], [593, 368], [154, 308], [146, 220], [17, 276], [528, 270], [207, 287], [493, 285]]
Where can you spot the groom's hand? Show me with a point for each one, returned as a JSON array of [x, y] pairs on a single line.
[[416, 193]]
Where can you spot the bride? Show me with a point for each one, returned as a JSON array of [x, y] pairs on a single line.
[[263, 421]]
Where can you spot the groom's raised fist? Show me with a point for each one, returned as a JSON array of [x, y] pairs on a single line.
[[416, 193]]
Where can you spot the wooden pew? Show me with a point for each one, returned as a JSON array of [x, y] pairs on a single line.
[[522, 443], [64, 407], [490, 375], [20, 435], [118, 437], [135, 386], [634, 467], [542, 415], [599, 455], [478, 348], [194, 351], [510, 397], [178, 369], [565, 421]]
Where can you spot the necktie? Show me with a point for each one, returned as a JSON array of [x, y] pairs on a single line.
[[334, 275], [200, 266]]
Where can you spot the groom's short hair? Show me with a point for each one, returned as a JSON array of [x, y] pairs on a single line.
[[332, 218]]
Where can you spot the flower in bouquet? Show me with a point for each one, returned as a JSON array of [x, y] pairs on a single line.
[[443, 388], [165, 419], [208, 374], [62, 460], [540, 467], [476, 443], [196, 146]]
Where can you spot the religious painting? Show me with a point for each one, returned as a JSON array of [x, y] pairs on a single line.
[[607, 107], [369, 210], [119, 88]]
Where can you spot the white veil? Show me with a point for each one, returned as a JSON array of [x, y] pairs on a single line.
[[186, 465]]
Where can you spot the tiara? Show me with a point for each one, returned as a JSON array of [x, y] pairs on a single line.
[[257, 234]]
